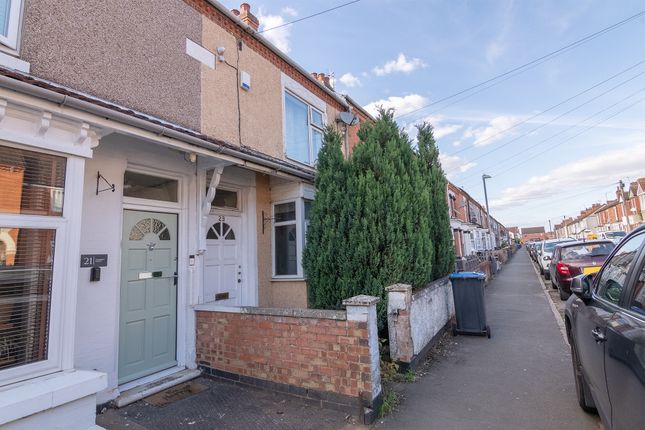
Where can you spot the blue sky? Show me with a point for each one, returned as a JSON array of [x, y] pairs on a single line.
[[406, 54]]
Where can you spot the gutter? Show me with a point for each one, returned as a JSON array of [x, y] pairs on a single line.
[[160, 130], [276, 51]]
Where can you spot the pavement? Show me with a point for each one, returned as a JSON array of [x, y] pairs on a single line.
[[521, 378], [226, 406]]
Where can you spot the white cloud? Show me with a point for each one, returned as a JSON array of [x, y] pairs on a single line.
[[499, 45], [290, 11], [401, 105], [493, 132], [350, 80], [453, 164], [401, 64], [494, 50], [444, 130], [598, 169], [279, 36], [439, 127]]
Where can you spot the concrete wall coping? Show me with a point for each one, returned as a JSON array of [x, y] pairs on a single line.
[[279, 312], [399, 288], [361, 300]]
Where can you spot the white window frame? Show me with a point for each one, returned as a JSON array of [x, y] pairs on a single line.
[[301, 226], [134, 168], [13, 26], [311, 127], [232, 189], [61, 317]]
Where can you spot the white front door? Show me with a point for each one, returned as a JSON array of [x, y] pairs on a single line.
[[223, 280]]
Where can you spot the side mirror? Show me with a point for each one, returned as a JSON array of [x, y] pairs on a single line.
[[581, 286], [546, 258]]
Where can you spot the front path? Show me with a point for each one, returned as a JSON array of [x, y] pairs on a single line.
[[519, 379]]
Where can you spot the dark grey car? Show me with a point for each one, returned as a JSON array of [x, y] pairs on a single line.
[[605, 320]]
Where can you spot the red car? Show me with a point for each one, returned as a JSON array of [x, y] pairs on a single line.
[[577, 258]]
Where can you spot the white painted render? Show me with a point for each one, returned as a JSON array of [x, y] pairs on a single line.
[[97, 333], [430, 310], [52, 390]]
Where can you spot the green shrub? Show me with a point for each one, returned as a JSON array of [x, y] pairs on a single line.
[[379, 218]]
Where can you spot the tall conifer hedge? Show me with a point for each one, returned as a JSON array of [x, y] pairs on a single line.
[[379, 218]]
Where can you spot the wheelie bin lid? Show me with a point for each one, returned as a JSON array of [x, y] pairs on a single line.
[[467, 275]]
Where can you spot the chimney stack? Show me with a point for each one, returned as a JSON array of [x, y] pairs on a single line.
[[245, 15]]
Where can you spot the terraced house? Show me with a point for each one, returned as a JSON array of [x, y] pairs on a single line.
[[156, 158]]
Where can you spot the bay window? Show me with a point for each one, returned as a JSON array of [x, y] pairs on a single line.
[[290, 221], [304, 126], [31, 231]]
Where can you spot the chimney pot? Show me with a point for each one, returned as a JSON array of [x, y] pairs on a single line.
[[247, 17], [235, 12]]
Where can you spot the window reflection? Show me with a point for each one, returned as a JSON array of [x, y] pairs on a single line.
[[26, 269], [32, 183]]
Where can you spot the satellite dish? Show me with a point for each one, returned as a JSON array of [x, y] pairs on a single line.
[[348, 118]]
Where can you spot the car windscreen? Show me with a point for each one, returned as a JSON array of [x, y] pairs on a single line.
[[588, 250], [615, 234], [549, 247]]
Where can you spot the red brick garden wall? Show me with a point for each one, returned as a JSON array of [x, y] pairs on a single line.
[[328, 354]]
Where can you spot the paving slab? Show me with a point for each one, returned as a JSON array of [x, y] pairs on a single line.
[[227, 406], [521, 378]]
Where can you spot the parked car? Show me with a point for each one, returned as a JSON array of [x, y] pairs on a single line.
[[614, 236], [605, 322], [545, 253], [575, 258], [535, 246]]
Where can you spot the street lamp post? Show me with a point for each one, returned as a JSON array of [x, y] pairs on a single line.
[[484, 177]]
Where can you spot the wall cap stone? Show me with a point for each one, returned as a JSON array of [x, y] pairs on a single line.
[[280, 312], [361, 300], [399, 288]]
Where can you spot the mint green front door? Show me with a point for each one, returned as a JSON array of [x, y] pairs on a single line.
[[148, 317]]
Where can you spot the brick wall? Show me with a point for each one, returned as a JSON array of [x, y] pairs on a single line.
[[320, 355]]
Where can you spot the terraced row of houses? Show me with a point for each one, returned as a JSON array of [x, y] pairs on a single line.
[[624, 213], [470, 225]]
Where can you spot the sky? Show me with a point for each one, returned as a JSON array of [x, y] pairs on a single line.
[[555, 138]]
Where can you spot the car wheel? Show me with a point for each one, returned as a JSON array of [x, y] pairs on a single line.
[[547, 275], [582, 389]]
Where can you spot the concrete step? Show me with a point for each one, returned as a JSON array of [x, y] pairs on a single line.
[[137, 393]]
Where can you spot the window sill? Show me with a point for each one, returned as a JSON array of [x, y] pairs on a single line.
[[294, 279], [39, 394], [11, 62]]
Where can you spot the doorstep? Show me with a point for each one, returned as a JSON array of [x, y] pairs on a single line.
[[137, 393]]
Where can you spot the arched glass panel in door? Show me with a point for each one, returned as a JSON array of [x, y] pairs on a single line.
[[149, 225], [220, 230]]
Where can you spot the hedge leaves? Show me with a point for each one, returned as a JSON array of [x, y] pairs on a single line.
[[379, 218]]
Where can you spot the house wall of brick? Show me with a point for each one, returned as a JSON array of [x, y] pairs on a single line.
[[111, 49], [331, 356]]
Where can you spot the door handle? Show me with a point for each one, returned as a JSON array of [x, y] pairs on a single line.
[[597, 335], [175, 276]]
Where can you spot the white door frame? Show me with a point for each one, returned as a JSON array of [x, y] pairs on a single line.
[[248, 226], [183, 288]]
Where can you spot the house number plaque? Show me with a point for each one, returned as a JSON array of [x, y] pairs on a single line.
[[94, 260]]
